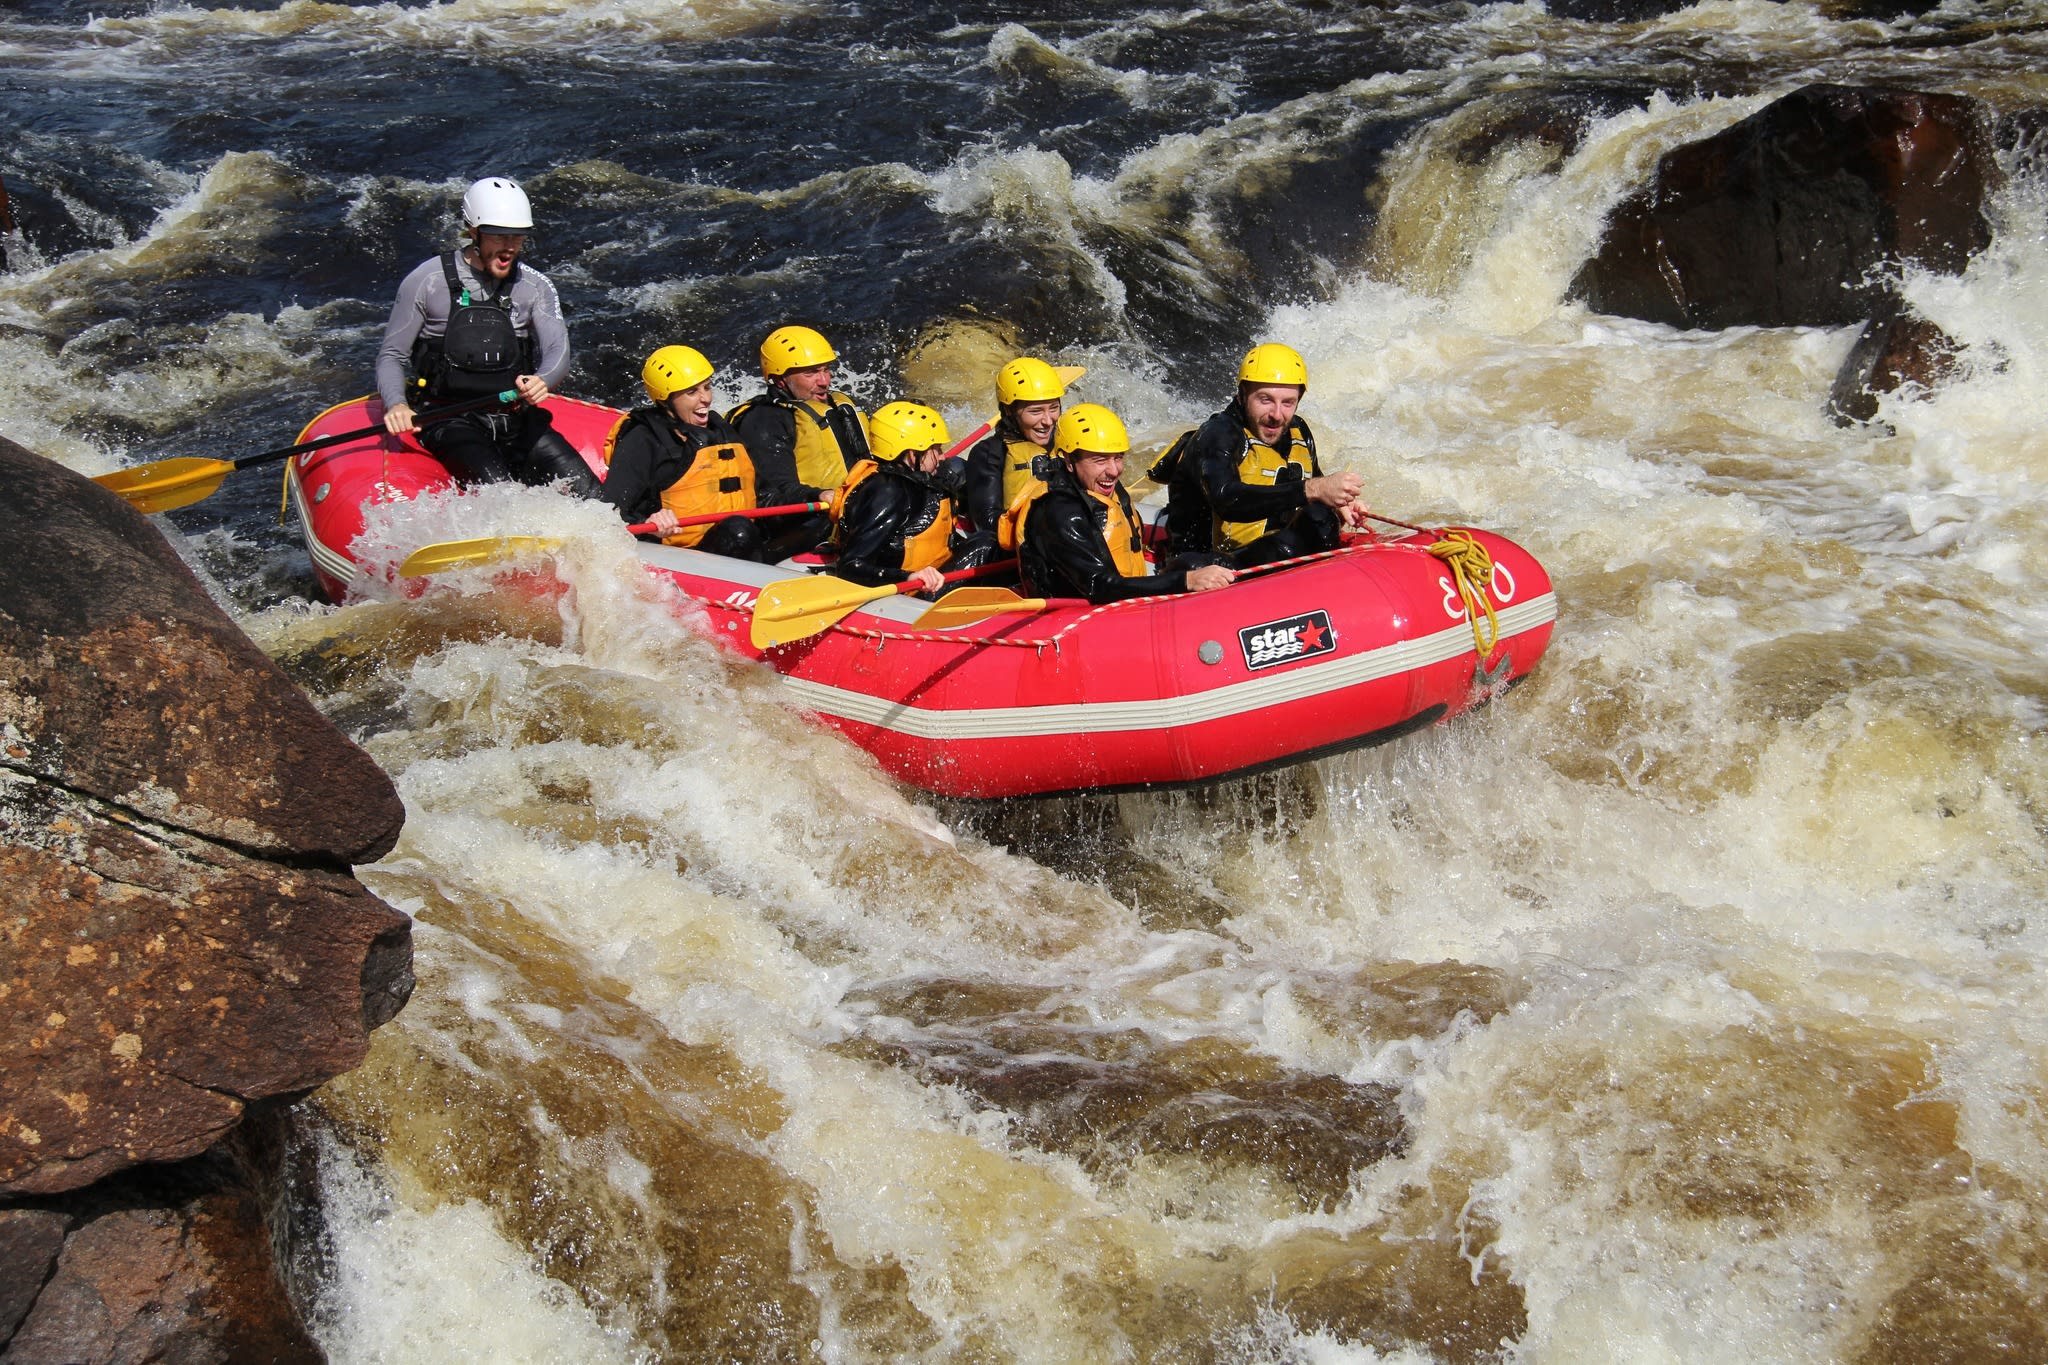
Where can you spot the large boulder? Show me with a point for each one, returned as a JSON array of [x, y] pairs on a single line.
[[1798, 215], [179, 930]]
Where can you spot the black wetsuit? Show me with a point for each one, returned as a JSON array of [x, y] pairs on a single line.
[[1066, 553], [1205, 487], [888, 508]]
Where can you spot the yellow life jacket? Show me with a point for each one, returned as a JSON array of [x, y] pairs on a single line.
[[928, 548], [1260, 466], [821, 462], [1121, 528], [1019, 459], [719, 479]]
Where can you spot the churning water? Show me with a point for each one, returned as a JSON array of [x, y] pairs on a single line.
[[1689, 1003]]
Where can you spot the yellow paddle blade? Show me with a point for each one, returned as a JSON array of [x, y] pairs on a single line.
[[1069, 373], [797, 608], [454, 554], [163, 484], [964, 606]]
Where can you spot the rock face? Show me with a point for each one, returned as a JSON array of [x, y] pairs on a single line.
[[1792, 216], [160, 1264], [180, 934]]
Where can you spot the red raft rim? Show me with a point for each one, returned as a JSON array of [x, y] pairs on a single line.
[[1339, 651]]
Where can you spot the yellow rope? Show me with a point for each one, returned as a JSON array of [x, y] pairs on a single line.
[[284, 494], [1469, 563]]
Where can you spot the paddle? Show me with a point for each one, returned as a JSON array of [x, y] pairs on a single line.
[[965, 606], [798, 608], [1067, 373], [453, 554], [162, 485]]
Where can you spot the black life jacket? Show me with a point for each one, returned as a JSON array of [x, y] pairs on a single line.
[[480, 352]]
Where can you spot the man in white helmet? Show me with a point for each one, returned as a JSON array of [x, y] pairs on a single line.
[[474, 322]]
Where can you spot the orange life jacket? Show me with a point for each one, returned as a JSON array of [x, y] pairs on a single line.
[[719, 479]]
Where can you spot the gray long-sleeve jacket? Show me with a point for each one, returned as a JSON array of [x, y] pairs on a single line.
[[422, 308]]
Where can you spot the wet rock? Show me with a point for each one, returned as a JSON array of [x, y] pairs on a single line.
[[1107, 1097], [167, 1263], [29, 1242], [120, 679], [179, 934], [1895, 350], [1794, 216]]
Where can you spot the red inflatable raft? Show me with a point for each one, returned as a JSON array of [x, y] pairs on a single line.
[[1340, 651]]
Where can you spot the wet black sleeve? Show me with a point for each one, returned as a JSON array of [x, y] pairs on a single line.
[[871, 532], [951, 476], [769, 434], [1215, 454], [1065, 555], [629, 483], [981, 491]]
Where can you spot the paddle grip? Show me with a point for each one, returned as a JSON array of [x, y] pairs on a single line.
[[508, 397]]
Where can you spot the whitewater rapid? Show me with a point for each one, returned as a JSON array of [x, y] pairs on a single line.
[[1686, 1003]]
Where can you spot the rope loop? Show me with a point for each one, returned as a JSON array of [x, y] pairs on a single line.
[[1470, 564]]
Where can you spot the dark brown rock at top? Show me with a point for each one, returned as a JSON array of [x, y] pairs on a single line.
[[122, 680], [1896, 349], [166, 1263], [179, 930], [1794, 216]]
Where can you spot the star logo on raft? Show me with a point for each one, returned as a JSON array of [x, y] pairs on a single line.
[[1282, 642]]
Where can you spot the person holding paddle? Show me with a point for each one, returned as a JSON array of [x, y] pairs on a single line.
[[1246, 485], [1076, 533], [677, 460], [894, 521], [1028, 397], [477, 321]]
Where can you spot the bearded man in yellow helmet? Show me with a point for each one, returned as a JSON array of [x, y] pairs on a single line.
[[894, 522], [1246, 486], [1028, 397], [676, 458], [1076, 533]]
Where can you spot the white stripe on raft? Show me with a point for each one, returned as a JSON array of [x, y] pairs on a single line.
[[333, 562], [1020, 722]]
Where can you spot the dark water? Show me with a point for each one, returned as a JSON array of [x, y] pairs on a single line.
[[1688, 1004]]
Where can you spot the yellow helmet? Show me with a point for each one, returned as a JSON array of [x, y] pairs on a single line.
[[672, 369], [899, 428], [1090, 427], [1028, 379], [1273, 363], [794, 348]]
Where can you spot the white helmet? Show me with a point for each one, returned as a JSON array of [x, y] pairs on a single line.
[[496, 205]]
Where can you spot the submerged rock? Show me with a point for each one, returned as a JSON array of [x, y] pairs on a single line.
[[1800, 214], [180, 933], [1895, 350]]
